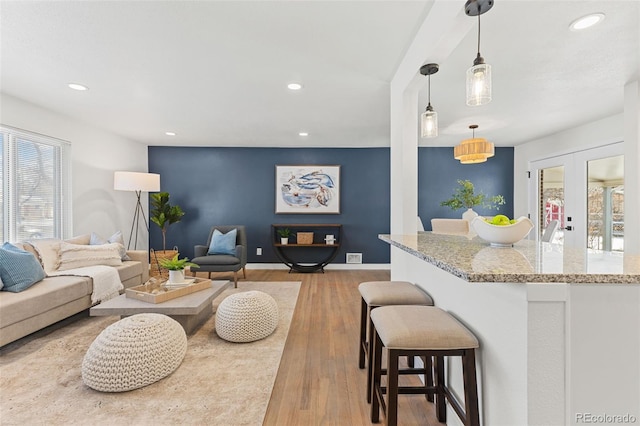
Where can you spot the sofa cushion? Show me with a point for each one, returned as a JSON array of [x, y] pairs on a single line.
[[115, 238], [48, 250], [223, 243], [80, 239], [19, 269], [46, 295], [78, 256], [129, 269]]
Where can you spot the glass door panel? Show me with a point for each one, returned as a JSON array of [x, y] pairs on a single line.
[[605, 204], [551, 203], [584, 192]]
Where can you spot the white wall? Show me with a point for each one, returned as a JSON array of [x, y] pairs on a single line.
[[96, 154]]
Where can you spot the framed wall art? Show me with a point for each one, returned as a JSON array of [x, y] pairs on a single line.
[[308, 189]]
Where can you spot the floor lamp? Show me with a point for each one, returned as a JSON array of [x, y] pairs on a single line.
[[138, 183]]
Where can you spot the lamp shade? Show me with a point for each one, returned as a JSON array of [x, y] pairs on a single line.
[[475, 150], [135, 181], [429, 124], [479, 84]]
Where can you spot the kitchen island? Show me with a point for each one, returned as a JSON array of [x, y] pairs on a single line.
[[559, 328]]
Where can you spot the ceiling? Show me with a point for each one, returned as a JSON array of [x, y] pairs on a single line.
[[215, 72]]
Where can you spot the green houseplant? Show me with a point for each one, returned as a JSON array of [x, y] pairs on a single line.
[[465, 197], [176, 266], [284, 235], [164, 214]]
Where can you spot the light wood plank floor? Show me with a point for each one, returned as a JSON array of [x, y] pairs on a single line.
[[319, 382]]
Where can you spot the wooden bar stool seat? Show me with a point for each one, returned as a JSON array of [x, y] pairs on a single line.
[[429, 332], [384, 293]]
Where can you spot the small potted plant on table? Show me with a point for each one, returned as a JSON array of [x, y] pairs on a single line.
[[284, 235], [176, 268]]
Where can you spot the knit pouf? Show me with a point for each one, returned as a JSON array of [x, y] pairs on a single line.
[[247, 316], [134, 352]]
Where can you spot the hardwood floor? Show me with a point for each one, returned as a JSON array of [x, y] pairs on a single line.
[[319, 382]]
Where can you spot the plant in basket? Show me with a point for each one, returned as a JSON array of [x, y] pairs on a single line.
[[164, 214]]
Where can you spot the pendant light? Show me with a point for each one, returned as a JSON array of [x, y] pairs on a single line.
[[429, 118], [474, 150], [479, 75]]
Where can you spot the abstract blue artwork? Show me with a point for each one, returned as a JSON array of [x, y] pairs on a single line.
[[308, 189]]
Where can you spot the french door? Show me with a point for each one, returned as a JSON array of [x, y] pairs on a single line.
[[584, 192]]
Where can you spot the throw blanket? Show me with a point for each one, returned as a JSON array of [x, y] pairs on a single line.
[[106, 281]]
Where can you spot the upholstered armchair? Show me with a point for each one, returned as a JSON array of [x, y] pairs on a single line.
[[214, 257]]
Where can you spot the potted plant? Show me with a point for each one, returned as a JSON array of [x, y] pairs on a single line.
[[465, 196], [164, 214], [284, 235], [176, 266]]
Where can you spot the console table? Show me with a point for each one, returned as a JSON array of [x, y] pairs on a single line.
[[307, 257]]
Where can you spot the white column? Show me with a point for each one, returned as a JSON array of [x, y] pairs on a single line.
[[444, 27], [632, 167]]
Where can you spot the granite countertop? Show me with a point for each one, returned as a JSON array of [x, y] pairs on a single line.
[[474, 260]]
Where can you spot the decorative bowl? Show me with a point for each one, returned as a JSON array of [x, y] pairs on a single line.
[[502, 236]]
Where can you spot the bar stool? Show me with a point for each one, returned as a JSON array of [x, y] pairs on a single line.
[[384, 293], [422, 331]]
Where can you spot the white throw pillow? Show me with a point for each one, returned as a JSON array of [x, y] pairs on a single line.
[[48, 250], [115, 238], [78, 256]]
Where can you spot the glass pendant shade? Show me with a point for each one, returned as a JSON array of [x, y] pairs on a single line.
[[429, 124], [429, 118], [479, 84]]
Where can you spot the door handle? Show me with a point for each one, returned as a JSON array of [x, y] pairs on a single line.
[[569, 228]]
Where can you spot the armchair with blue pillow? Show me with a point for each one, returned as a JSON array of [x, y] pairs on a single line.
[[226, 251]]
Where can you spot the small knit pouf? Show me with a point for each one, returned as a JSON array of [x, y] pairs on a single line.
[[134, 352], [247, 316]]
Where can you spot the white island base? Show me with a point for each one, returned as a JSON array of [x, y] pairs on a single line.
[[550, 353]]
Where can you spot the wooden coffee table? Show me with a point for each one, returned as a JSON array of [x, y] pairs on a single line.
[[190, 310]]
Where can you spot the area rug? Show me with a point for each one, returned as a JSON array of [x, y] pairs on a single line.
[[218, 383]]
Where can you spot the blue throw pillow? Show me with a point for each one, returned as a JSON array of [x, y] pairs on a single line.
[[223, 243], [19, 269]]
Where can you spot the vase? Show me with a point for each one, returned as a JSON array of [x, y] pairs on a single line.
[[176, 277], [469, 215], [284, 241]]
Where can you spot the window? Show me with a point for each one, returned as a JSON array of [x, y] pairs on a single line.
[[34, 186]]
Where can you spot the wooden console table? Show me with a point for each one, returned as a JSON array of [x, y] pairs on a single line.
[[297, 256]]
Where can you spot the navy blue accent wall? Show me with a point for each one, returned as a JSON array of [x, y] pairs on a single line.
[[438, 173], [236, 186]]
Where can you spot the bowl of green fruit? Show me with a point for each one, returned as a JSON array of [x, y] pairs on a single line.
[[501, 231]]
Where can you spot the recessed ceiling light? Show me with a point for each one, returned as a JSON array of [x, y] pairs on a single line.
[[294, 86], [303, 134], [169, 133], [586, 21], [76, 86]]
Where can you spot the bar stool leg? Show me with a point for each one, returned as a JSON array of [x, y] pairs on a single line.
[[427, 361], [441, 409], [470, 388], [370, 370], [364, 313], [392, 387], [375, 366]]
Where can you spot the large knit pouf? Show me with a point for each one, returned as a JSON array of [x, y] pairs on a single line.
[[247, 316], [134, 352]]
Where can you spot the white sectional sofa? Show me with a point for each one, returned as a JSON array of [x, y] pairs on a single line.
[[58, 297]]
